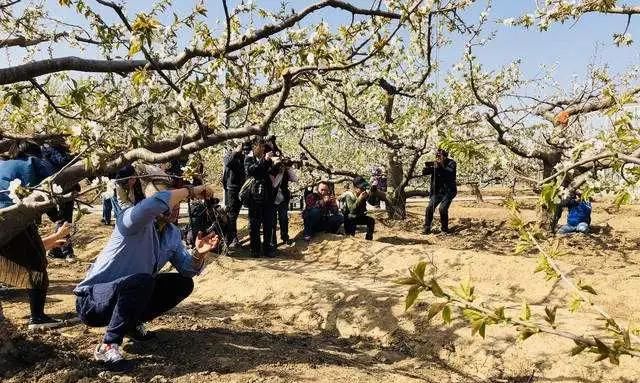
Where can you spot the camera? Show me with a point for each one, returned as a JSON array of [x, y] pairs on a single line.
[[246, 147]]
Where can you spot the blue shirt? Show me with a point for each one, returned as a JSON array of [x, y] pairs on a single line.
[[30, 170], [136, 247], [578, 213]]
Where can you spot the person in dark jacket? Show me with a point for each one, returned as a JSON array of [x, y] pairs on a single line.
[[23, 261], [579, 216], [443, 189], [260, 204], [282, 196], [232, 179]]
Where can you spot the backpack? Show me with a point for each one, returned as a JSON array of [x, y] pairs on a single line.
[[247, 190]]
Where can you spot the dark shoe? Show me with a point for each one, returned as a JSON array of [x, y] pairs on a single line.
[[234, 244], [368, 237], [271, 254], [44, 322], [290, 242], [446, 231], [426, 231], [140, 333], [56, 253]]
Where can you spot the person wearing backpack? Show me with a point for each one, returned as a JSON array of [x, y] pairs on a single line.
[[260, 198], [355, 208], [232, 180]]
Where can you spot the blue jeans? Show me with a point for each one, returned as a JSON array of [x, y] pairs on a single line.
[[122, 304], [582, 227]]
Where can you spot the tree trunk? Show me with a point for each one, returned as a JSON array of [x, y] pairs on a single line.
[[546, 214], [475, 190], [396, 204]]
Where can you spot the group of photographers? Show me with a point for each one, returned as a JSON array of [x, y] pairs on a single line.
[[257, 175]]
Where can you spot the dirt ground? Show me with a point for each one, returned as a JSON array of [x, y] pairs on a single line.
[[328, 311]]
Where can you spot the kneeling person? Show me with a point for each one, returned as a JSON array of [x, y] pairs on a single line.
[[578, 217], [355, 208], [124, 288]]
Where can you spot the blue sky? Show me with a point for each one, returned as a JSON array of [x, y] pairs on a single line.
[[570, 47]]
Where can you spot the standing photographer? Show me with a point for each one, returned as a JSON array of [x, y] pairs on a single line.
[[232, 180], [443, 189], [282, 174], [260, 202]]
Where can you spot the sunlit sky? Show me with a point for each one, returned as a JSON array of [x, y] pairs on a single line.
[[569, 47]]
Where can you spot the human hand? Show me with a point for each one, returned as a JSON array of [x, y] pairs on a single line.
[[205, 191], [64, 230], [205, 244]]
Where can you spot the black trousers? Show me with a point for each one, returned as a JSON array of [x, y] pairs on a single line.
[[261, 217], [281, 214], [122, 304], [351, 223], [233, 206], [444, 201], [23, 263]]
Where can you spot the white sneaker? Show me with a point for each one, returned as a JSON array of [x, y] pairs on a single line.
[[108, 353]]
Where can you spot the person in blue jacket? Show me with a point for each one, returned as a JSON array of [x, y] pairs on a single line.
[[23, 261], [124, 287], [579, 216]]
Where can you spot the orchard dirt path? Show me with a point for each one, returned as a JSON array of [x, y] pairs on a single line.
[[329, 311]]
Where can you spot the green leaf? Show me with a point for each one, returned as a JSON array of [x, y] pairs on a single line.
[[135, 47], [411, 297], [499, 312], [587, 288], [577, 349], [419, 270], [551, 314], [16, 100], [526, 332], [626, 338], [575, 304], [405, 281], [602, 348], [526, 311], [478, 326], [434, 309], [446, 314], [139, 77], [435, 289], [64, 3], [472, 314]]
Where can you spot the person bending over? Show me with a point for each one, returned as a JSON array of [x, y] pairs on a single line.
[[321, 213], [124, 287], [355, 208], [443, 189], [23, 261]]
